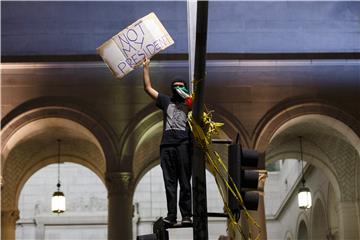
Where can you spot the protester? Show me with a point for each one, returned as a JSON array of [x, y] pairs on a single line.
[[175, 147]]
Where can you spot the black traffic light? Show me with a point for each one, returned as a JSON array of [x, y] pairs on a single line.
[[243, 169]]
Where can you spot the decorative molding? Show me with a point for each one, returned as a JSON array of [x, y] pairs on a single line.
[[119, 182], [286, 56], [181, 63], [284, 112], [10, 216]]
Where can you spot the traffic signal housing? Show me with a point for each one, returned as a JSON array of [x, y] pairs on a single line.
[[244, 170]]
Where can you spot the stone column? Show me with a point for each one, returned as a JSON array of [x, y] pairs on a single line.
[[349, 225], [120, 210], [8, 224]]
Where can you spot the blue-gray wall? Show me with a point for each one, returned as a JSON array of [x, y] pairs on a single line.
[[51, 28], [285, 26], [80, 27]]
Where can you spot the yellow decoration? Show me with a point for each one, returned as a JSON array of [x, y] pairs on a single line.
[[202, 136]]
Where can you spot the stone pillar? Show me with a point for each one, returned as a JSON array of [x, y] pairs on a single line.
[[259, 215], [349, 225], [8, 224], [120, 210]]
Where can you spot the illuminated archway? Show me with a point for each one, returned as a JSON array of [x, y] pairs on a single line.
[[331, 144], [86, 204], [28, 143]]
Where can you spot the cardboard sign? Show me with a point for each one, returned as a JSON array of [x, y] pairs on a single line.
[[128, 49]]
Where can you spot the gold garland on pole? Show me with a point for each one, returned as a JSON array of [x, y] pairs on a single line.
[[202, 136]]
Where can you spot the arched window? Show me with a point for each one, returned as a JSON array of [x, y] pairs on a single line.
[[320, 226], [86, 205], [303, 231], [150, 203]]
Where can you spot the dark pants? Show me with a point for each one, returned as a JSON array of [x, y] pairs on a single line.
[[176, 166]]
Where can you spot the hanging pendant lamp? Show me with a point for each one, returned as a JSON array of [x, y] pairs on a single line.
[[58, 198], [304, 194]]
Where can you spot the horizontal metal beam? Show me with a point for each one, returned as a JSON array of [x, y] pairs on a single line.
[[184, 56]]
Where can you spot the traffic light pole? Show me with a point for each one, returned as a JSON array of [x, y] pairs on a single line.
[[200, 221]]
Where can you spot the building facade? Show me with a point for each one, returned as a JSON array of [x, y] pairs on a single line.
[[275, 71]]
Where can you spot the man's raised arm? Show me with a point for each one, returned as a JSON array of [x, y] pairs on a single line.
[[147, 82]]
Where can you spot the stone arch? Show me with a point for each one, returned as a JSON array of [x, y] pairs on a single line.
[[140, 171], [281, 114], [324, 140], [303, 232], [288, 235], [232, 126], [136, 142], [319, 221], [332, 213], [147, 153], [33, 124], [335, 136], [27, 154], [137, 132], [33, 117], [64, 108], [140, 143], [302, 221], [346, 127], [311, 155]]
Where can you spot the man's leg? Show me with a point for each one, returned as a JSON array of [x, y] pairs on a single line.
[[184, 174], [167, 158]]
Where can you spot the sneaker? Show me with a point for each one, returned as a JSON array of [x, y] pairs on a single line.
[[169, 221], [186, 220]]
